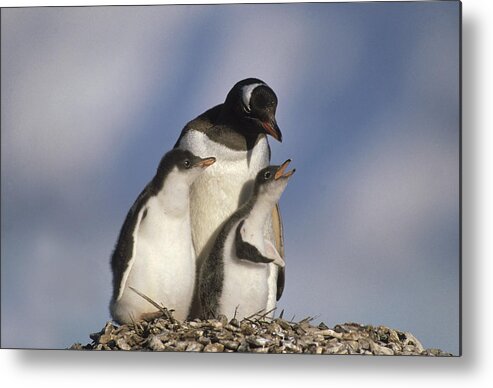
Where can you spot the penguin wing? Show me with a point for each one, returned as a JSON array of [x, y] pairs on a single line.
[[123, 256], [271, 253], [279, 244], [247, 251]]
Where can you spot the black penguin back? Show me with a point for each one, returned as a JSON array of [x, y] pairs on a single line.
[[123, 251]]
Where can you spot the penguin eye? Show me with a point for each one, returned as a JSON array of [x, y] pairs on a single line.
[[267, 175], [187, 163]]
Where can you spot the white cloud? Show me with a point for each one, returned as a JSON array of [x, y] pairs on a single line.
[[406, 179], [433, 74], [57, 288], [72, 80], [400, 188]]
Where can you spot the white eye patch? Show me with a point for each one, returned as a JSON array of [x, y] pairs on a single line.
[[247, 94]]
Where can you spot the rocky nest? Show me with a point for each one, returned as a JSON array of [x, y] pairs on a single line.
[[256, 334]]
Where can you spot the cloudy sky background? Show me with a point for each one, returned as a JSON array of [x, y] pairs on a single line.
[[369, 110]]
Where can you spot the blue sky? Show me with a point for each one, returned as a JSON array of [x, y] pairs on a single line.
[[369, 110]]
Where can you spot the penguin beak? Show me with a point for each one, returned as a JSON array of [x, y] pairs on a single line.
[[206, 162], [272, 129], [280, 171]]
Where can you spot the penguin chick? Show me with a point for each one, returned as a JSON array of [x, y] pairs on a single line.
[[234, 277], [154, 252]]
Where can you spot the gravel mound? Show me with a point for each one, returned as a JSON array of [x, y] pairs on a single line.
[[257, 334]]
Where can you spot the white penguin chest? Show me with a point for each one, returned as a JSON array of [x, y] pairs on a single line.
[[164, 260], [223, 187], [245, 285]]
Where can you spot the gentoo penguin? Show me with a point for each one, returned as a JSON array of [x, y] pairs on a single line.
[[154, 253], [233, 279], [235, 133]]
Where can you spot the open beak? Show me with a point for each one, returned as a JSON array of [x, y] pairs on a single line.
[[280, 171], [206, 162], [272, 129]]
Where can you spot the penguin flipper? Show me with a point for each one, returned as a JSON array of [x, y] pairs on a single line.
[[246, 251], [123, 256], [278, 229], [279, 243], [131, 259], [271, 253]]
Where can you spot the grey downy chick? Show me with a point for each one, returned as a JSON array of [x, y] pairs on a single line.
[[234, 278]]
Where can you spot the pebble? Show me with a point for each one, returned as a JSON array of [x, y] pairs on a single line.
[[258, 341], [380, 350], [204, 340], [155, 344], [122, 344], [194, 347], [231, 345], [214, 348]]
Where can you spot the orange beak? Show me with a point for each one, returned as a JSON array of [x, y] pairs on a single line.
[[280, 171], [272, 129], [206, 162]]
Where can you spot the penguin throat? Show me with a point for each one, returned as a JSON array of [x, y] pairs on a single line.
[[174, 195], [244, 129], [251, 127], [231, 137], [251, 139], [261, 210]]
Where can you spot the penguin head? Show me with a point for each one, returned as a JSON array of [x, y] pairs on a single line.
[[272, 180], [183, 165], [254, 104]]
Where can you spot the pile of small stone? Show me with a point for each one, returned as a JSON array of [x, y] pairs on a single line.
[[257, 334]]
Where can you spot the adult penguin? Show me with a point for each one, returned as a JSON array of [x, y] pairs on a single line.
[[235, 133]]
